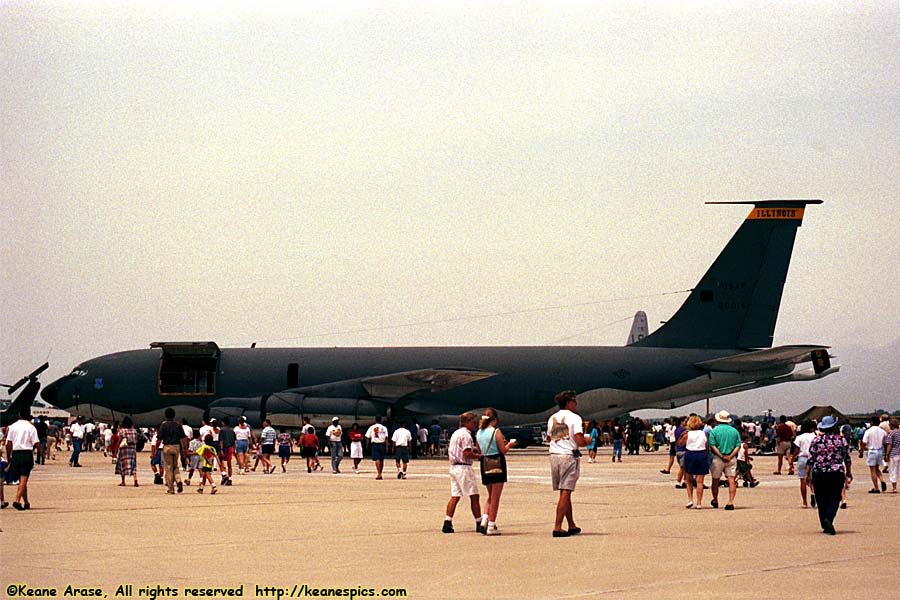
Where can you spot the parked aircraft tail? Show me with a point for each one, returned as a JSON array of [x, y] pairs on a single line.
[[639, 328], [735, 304], [26, 396]]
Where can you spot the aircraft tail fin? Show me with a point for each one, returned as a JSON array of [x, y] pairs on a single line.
[[26, 396], [639, 328], [735, 304]]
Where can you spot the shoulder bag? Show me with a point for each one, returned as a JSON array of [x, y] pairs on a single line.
[[492, 464]]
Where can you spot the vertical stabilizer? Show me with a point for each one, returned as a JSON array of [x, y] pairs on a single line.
[[735, 304], [25, 398], [639, 328]]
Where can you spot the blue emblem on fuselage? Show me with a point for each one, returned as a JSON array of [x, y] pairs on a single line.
[[98, 383]]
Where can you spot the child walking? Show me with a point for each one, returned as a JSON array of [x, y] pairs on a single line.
[[745, 469], [194, 460], [285, 448], [208, 459]]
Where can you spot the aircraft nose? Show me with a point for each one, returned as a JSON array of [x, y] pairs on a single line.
[[51, 393]]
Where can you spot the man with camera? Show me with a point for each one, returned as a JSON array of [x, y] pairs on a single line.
[[566, 432]]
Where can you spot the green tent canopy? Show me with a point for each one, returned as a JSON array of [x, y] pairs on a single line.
[[817, 413]]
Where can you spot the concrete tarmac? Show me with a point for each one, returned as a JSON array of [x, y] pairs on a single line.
[[354, 533]]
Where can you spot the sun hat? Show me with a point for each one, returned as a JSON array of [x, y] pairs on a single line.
[[827, 423]]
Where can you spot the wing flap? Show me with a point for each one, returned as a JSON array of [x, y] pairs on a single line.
[[761, 360], [398, 385]]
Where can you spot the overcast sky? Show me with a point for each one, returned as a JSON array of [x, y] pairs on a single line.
[[441, 173]]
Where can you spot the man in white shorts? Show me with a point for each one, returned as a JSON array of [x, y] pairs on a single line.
[[873, 440], [566, 432], [461, 450]]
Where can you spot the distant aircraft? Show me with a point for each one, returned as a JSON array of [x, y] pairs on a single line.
[[26, 396], [639, 328], [718, 342]]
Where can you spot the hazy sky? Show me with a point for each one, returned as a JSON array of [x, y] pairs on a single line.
[[433, 173]]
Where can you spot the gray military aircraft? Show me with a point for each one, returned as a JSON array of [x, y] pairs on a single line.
[[719, 342]]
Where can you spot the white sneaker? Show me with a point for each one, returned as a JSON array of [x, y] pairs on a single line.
[[492, 530]]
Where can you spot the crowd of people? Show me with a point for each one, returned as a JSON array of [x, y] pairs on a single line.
[[819, 453], [721, 448]]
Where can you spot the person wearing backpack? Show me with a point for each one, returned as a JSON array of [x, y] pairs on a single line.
[[208, 460]]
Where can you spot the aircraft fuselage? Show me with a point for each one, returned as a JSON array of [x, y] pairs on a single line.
[[702, 351], [527, 378]]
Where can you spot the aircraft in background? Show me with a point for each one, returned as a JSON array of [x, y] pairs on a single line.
[[639, 328], [26, 396], [717, 343]]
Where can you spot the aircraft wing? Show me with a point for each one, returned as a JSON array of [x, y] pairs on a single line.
[[761, 360], [398, 385]]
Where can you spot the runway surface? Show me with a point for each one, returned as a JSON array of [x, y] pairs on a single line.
[[276, 533]]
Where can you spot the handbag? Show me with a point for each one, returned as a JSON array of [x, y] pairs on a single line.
[[492, 464]]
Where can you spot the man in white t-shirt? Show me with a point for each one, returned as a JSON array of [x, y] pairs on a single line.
[[77, 431], [801, 457], [334, 434], [89, 432], [873, 439], [377, 435], [21, 439], [566, 432], [401, 440]]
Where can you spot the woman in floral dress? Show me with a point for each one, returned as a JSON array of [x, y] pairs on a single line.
[[126, 459]]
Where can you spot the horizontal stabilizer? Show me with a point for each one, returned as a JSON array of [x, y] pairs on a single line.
[[30, 377], [398, 385], [761, 359]]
